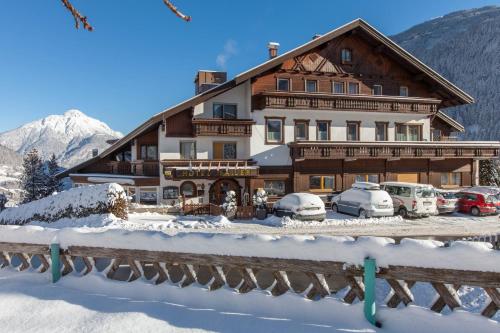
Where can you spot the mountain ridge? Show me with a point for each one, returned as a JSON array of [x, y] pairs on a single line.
[[71, 137], [463, 46]]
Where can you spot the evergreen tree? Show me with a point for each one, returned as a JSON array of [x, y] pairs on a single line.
[[33, 179], [489, 173], [52, 183]]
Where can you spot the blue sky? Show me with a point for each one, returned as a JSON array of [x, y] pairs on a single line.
[[141, 58]]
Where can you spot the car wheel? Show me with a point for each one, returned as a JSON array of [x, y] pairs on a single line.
[[402, 212], [362, 214], [335, 208], [475, 211]]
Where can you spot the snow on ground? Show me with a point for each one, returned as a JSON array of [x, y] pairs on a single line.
[[30, 303], [335, 224]]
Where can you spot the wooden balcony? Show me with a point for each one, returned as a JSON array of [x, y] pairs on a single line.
[[320, 101], [145, 168], [119, 167], [185, 169], [223, 127], [394, 150]]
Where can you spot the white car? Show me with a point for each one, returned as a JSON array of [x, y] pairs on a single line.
[[300, 206], [412, 199], [364, 200]]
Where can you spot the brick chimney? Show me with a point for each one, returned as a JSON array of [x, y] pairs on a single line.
[[273, 49], [206, 80]]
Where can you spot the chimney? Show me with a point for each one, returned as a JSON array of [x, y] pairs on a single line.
[[206, 80], [316, 36], [95, 152], [273, 49]]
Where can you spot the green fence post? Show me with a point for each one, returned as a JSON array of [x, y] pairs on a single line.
[[56, 264], [370, 308]]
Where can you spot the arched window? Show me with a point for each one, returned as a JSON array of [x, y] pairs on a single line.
[[188, 189]]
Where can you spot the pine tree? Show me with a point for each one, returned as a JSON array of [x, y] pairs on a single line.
[[33, 179], [489, 173], [52, 183]]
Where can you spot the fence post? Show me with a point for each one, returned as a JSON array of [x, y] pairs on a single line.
[[369, 281], [56, 264]]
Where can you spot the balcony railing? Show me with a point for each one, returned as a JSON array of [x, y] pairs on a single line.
[[394, 150], [223, 127], [298, 100], [178, 169], [145, 168]]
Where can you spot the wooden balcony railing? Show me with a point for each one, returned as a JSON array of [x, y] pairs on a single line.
[[223, 127], [119, 167], [179, 169], [145, 168], [396, 150], [293, 100]]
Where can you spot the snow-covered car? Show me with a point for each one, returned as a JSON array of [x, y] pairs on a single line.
[[447, 201], [364, 200], [412, 199], [493, 193], [300, 206]]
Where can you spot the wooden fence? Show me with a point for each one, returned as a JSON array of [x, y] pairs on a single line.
[[313, 279], [242, 212]]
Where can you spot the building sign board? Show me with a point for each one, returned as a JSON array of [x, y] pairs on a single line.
[[173, 173]]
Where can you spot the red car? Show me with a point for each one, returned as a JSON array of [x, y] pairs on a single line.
[[476, 203]]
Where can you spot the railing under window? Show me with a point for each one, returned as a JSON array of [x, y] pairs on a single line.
[[223, 127]]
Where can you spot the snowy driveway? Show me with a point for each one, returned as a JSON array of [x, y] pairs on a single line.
[[335, 224]]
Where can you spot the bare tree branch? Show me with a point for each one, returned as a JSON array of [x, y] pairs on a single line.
[[176, 11], [79, 18]]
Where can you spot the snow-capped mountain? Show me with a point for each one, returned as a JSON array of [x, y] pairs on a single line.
[[464, 47], [71, 137]]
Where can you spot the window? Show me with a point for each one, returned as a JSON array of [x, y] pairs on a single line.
[[311, 85], [224, 150], [451, 178], [353, 88], [377, 89], [338, 88], [170, 192], [408, 132], [301, 130], [402, 191], [322, 183], [366, 178], [224, 111], [346, 56], [283, 84], [148, 196], [274, 187], [188, 150], [323, 130], [403, 91], [149, 152], [381, 131], [188, 189], [436, 135], [352, 131], [274, 130]]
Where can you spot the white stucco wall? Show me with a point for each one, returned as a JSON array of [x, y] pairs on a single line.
[[279, 154], [240, 95]]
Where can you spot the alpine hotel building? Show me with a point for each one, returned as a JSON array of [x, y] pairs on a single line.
[[348, 105]]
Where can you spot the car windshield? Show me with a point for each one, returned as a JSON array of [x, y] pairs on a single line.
[[424, 192]]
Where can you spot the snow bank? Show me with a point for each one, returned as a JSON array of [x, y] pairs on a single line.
[[459, 255], [74, 203]]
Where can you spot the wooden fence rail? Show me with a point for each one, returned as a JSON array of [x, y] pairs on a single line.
[[311, 278]]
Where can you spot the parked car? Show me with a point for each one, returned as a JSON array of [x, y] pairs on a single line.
[[412, 199], [364, 200], [492, 191], [300, 206], [447, 201], [476, 203]]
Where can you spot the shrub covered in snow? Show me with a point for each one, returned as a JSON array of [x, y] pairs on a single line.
[[260, 199], [74, 203], [229, 206]]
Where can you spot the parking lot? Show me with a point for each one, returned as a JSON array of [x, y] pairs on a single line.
[[336, 224]]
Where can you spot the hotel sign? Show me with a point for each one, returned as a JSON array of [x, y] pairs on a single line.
[[173, 173]]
